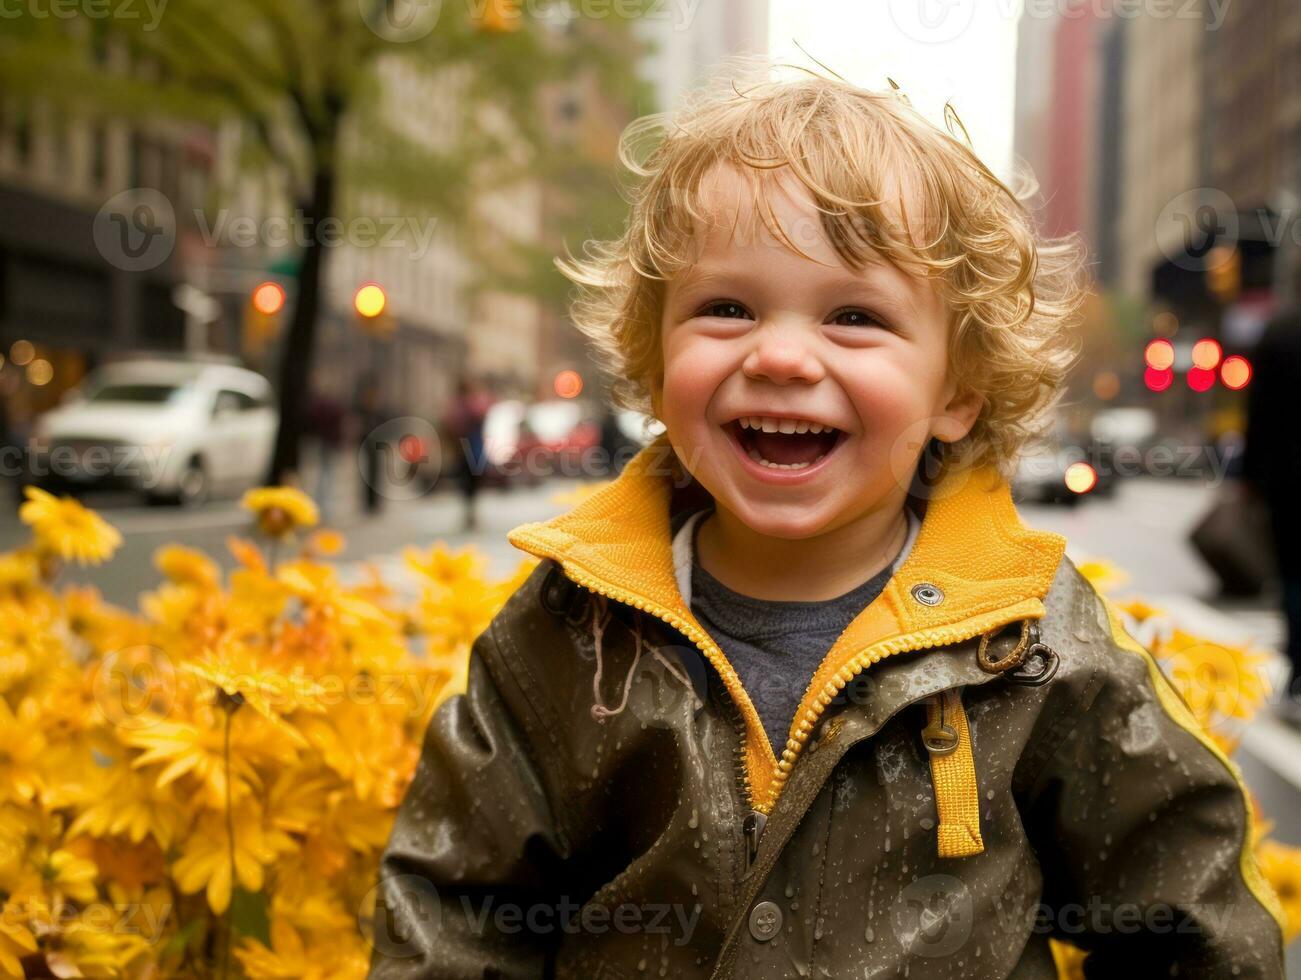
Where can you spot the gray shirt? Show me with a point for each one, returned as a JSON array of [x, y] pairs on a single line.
[[775, 645]]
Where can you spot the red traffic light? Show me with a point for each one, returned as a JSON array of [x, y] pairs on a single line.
[[1158, 380], [1201, 379]]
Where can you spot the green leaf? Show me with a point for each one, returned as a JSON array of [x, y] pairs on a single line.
[[250, 916]]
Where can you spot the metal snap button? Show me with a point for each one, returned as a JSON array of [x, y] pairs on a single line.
[[765, 921], [927, 594]]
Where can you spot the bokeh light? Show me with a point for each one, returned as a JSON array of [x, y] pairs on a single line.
[[1235, 372], [1207, 354], [369, 300], [40, 372], [1158, 380], [1106, 385], [1081, 477], [1165, 324], [569, 383], [22, 352], [1159, 355], [269, 298], [1201, 379]]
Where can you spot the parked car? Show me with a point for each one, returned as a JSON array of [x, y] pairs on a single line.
[[1058, 470], [530, 442], [173, 430]]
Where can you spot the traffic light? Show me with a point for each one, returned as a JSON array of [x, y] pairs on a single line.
[[370, 302], [262, 315], [1224, 272]]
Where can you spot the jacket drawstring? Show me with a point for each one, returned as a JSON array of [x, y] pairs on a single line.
[[601, 619]]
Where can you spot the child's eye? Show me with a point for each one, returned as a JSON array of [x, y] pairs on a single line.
[[857, 318], [726, 309]]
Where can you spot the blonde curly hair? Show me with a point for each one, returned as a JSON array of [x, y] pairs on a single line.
[[866, 159]]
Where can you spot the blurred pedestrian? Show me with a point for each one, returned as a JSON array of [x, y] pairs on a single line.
[[465, 421], [1272, 467], [326, 419], [371, 414]]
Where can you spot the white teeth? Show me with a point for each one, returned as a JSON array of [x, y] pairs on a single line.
[[754, 455], [768, 423]]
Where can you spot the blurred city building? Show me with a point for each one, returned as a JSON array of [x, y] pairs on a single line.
[[58, 291], [696, 38], [1167, 138]]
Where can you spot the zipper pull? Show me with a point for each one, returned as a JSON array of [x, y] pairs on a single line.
[[938, 737], [752, 827]]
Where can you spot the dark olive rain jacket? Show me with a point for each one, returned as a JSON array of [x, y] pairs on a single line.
[[983, 760]]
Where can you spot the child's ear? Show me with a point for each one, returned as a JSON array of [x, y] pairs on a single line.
[[959, 414]]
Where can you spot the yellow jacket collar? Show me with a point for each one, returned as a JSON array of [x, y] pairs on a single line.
[[972, 546]]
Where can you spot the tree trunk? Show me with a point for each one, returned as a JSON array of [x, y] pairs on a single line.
[[296, 355]]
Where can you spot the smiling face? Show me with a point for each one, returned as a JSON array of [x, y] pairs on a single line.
[[797, 391]]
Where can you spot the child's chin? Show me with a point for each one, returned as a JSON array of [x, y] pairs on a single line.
[[789, 523]]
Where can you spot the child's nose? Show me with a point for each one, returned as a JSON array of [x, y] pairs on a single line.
[[782, 355]]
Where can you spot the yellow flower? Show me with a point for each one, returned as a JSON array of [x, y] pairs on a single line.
[[206, 860], [19, 570], [66, 529], [290, 958], [1068, 959], [1281, 865], [1102, 575], [327, 543], [1217, 681], [22, 748], [445, 567], [71, 875], [280, 510], [16, 941], [187, 566]]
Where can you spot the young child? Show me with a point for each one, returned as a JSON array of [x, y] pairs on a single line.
[[797, 694]]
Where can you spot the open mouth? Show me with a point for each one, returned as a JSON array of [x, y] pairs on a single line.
[[782, 443]]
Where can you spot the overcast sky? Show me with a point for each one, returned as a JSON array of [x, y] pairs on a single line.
[[963, 51]]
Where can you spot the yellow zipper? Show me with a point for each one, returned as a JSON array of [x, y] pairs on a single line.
[[938, 637]]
